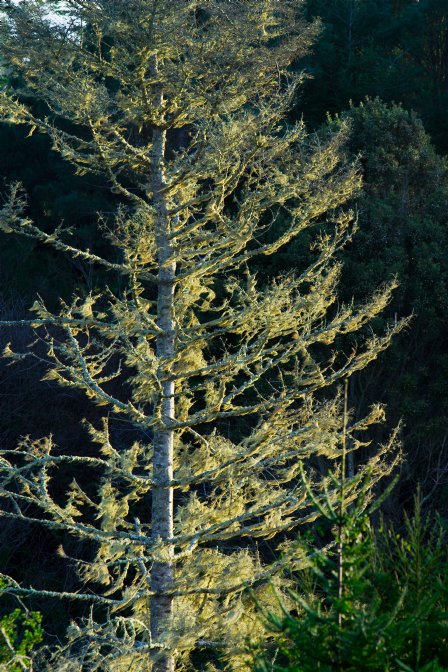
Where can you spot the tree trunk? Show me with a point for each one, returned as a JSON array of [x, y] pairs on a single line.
[[162, 573]]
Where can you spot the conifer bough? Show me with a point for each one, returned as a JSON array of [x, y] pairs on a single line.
[[182, 106]]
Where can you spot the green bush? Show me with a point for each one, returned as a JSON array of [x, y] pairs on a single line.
[[20, 632], [386, 611]]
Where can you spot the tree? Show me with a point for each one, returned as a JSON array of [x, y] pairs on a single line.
[[396, 50], [182, 106], [403, 204], [385, 611], [332, 622]]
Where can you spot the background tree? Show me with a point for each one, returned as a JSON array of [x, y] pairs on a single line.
[[402, 231], [397, 50], [403, 209], [181, 107]]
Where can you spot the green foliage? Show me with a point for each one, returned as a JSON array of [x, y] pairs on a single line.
[[414, 563], [20, 633], [402, 231], [389, 613], [394, 49], [401, 208]]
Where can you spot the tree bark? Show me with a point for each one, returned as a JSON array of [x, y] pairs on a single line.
[[162, 572]]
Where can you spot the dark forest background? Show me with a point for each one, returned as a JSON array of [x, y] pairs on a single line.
[[382, 66]]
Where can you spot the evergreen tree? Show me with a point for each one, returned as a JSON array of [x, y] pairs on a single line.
[[331, 626], [371, 600], [376, 602], [394, 49], [403, 208], [181, 105]]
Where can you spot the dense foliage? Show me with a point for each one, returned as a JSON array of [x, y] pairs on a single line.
[[394, 49], [402, 218], [20, 633], [389, 616]]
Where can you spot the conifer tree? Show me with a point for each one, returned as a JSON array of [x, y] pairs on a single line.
[[376, 601], [182, 106], [337, 625]]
